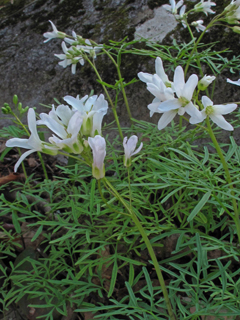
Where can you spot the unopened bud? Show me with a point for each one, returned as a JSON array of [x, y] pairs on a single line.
[[236, 29], [205, 82], [6, 109], [15, 99], [20, 106], [22, 111]]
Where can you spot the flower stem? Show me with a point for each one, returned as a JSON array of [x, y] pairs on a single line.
[[105, 201], [214, 20], [121, 83], [109, 98], [43, 165], [228, 177], [149, 247]]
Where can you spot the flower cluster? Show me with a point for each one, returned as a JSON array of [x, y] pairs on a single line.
[[202, 6], [172, 98], [74, 131], [78, 50], [71, 127], [232, 12]]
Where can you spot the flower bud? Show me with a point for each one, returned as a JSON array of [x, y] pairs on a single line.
[[129, 149], [6, 109], [98, 146], [236, 29], [205, 82], [20, 106], [15, 99]]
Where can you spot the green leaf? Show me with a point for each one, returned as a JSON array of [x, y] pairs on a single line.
[[39, 230], [15, 222], [199, 206], [113, 278]]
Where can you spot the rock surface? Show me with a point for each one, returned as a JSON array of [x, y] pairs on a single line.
[[29, 69]]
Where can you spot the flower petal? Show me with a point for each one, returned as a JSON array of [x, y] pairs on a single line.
[[74, 124], [52, 125], [190, 86], [64, 113], [178, 81], [168, 105], [145, 77], [23, 156], [138, 149], [166, 118], [224, 109], [221, 122], [192, 110], [160, 70], [17, 142], [234, 82], [206, 102]]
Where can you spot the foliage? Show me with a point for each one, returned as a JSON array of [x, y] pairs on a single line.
[[102, 245]]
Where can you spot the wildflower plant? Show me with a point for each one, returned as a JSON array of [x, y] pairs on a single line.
[[197, 196]]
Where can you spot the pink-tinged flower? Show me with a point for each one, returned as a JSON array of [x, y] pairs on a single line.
[[215, 112], [232, 13], [54, 34], [129, 146], [204, 7], [160, 91], [69, 59], [33, 142], [148, 78], [173, 7], [66, 124], [98, 146], [237, 82], [92, 110], [181, 104], [198, 25]]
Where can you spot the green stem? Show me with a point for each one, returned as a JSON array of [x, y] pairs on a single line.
[[228, 177], [105, 201], [214, 20], [149, 247], [43, 165], [109, 98], [121, 83]]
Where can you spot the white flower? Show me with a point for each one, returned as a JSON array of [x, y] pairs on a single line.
[[54, 34], [148, 78], [68, 58], [129, 149], [182, 104], [204, 7], [181, 16], [205, 82], [198, 25], [215, 112], [173, 7], [232, 12], [92, 111], [160, 91], [237, 83], [33, 142], [66, 124], [98, 146]]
